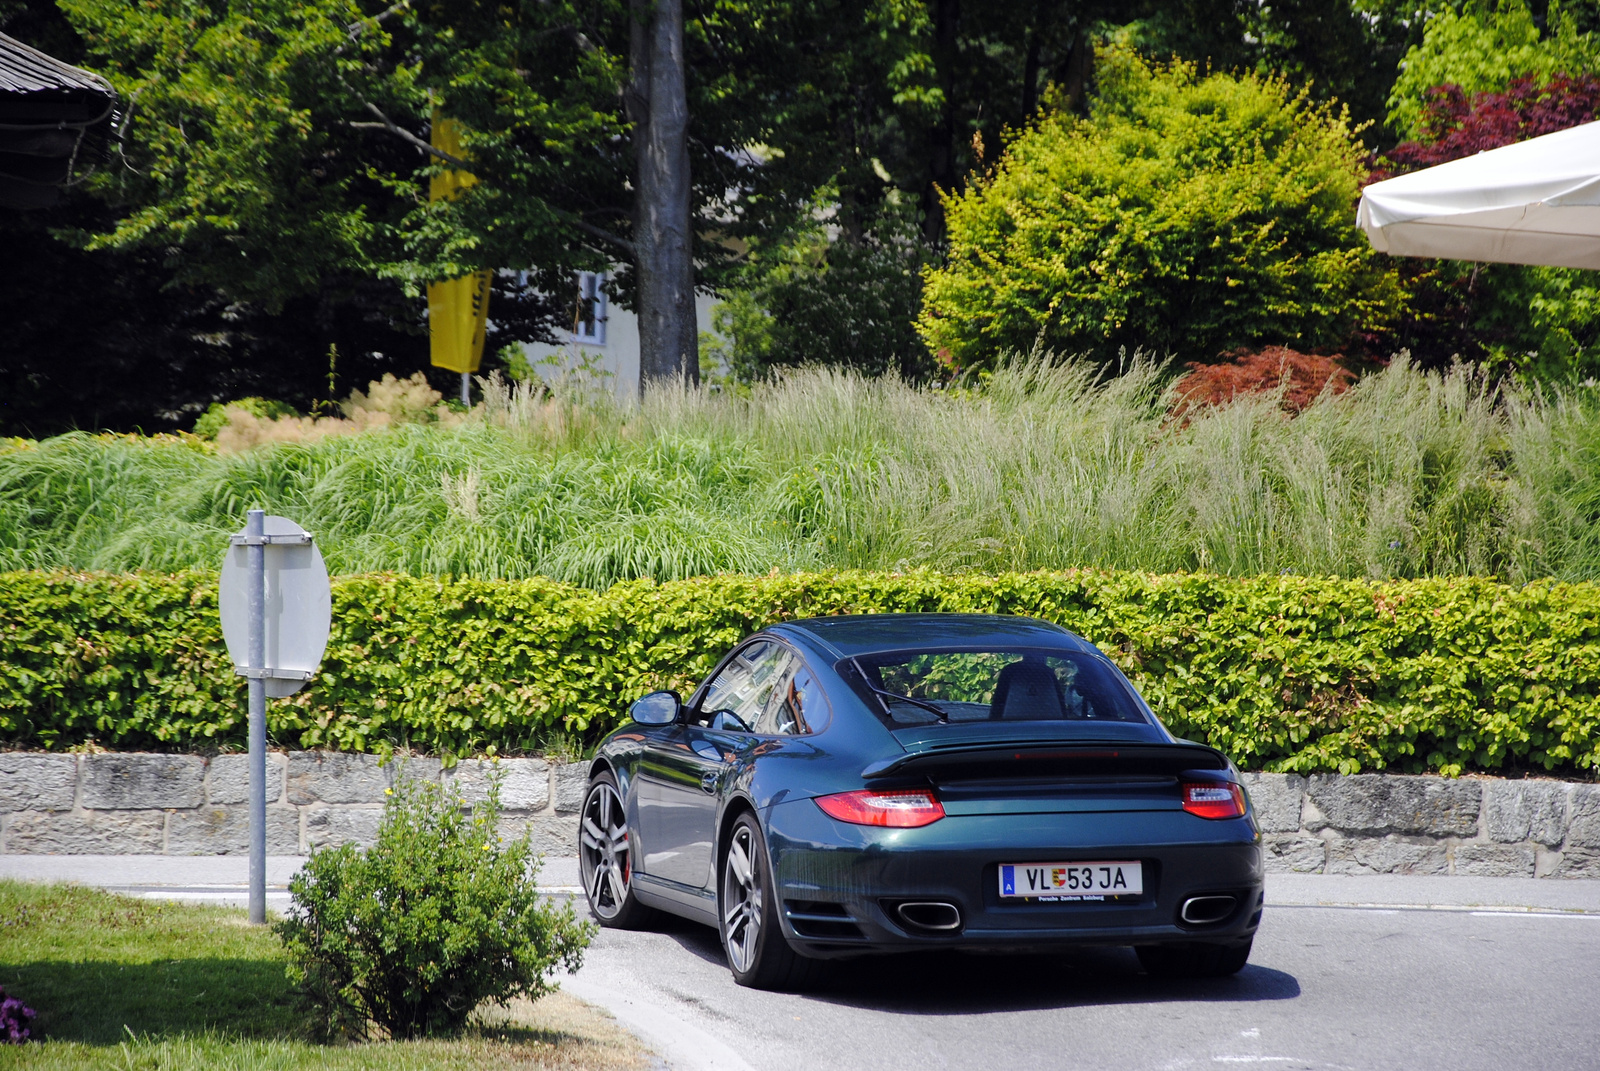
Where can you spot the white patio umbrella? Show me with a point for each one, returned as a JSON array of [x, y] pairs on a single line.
[[1535, 202]]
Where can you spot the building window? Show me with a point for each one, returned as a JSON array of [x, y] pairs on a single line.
[[589, 323]]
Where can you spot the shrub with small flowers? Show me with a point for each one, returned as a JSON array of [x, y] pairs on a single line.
[[439, 916], [16, 1019]]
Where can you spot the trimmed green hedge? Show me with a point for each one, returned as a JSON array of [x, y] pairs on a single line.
[[1283, 673]]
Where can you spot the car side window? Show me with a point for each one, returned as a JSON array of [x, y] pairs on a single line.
[[797, 707], [746, 686]]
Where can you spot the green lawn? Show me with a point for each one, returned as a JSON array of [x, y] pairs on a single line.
[[138, 984]]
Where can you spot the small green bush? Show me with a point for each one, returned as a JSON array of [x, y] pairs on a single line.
[[216, 417], [435, 919], [1281, 672], [1192, 213]]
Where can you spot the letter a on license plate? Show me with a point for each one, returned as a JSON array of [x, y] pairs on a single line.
[[1078, 880]]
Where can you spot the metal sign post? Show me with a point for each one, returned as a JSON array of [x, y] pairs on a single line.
[[276, 612], [256, 553]]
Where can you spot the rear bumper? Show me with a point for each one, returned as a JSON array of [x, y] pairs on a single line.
[[839, 885]]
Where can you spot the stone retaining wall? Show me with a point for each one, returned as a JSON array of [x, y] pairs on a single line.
[[126, 803], [141, 804], [1395, 824]]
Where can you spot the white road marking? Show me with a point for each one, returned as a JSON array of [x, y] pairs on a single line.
[[1533, 915], [1459, 909]]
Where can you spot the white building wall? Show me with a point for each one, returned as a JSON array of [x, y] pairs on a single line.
[[617, 359]]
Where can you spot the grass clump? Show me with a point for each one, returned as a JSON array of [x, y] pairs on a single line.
[[1042, 465], [437, 918]]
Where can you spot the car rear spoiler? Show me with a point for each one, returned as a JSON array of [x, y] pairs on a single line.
[[1031, 759]]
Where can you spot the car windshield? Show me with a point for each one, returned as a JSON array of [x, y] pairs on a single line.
[[928, 687]]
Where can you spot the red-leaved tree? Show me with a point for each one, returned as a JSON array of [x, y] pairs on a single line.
[[1303, 376], [1455, 124]]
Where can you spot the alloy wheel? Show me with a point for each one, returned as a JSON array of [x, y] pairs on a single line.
[[741, 900], [605, 851]]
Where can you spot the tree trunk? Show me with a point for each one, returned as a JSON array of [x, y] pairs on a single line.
[[1030, 66], [942, 135], [658, 105], [849, 148], [1080, 69]]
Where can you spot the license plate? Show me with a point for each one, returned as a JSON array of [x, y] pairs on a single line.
[[1054, 882]]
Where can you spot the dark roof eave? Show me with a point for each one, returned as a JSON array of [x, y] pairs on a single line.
[[24, 69]]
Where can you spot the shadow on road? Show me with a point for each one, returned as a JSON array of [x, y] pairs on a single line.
[[692, 937], [956, 983]]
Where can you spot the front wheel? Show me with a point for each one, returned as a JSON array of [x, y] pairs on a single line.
[[1194, 959], [605, 858], [758, 954]]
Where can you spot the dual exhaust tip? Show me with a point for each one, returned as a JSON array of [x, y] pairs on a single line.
[[929, 916], [941, 916], [1204, 910]]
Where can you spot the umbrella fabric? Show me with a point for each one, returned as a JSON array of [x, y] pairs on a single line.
[[1535, 202]]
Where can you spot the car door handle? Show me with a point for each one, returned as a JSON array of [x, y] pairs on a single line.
[[708, 783]]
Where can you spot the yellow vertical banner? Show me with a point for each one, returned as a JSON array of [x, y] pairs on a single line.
[[458, 309]]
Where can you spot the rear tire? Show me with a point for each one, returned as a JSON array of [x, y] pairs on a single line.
[[1194, 959], [758, 954], [605, 858]]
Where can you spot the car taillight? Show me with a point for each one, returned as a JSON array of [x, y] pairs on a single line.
[[1213, 799], [896, 808]]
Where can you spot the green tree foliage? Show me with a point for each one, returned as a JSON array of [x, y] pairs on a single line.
[[274, 144], [1483, 49], [821, 299], [256, 168], [440, 916], [271, 145], [1189, 214], [1539, 323], [107, 338], [1339, 51], [908, 109], [219, 136], [1282, 672]]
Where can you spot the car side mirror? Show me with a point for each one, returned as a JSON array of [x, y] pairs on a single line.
[[657, 708]]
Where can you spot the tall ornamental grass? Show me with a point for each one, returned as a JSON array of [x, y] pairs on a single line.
[[1042, 466]]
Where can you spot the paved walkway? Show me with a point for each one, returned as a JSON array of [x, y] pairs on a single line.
[[213, 879], [222, 879]]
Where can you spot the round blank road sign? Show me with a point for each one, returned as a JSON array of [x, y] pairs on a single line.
[[299, 608]]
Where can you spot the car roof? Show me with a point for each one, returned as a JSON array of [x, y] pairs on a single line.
[[858, 634]]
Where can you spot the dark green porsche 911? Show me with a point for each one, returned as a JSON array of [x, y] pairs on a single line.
[[890, 782]]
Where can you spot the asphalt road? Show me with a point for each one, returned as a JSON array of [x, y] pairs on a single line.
[[1348, 972], [1360, 987]]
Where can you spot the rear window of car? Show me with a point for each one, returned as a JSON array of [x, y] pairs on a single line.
[[943, 687]]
